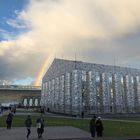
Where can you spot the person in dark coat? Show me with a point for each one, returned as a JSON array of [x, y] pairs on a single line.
[[28, 123], [93, 126], [9, 120], [82, 114], [99, 127], [40, 126]]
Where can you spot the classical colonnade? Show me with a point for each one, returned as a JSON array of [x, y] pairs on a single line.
[[31, 102], [93, 92]]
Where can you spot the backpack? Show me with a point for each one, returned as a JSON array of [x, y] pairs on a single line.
[[9, 117], [38, 125]]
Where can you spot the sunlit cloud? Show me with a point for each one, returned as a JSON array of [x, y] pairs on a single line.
[[5, 46], [65, 27]]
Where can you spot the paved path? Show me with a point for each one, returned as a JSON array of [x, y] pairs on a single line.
[[60, 132], [53, 133]]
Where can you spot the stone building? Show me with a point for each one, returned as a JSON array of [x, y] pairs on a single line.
[[73, 87], [26, 96]]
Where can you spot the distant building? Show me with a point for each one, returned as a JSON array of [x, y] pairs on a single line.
[[4, 82], [73, 87], [25, 96]]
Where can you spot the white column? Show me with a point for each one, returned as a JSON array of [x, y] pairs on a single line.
[[61, 97], [67, 94], [76, 93], [105, 90], [138, 94], [92, 92], [57, 94], [52, 94], [130, 98], [43, 94], [118, 94]]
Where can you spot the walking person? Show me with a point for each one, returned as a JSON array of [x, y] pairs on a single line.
[[28, 123], [99, 127], [9, 120], [93, 126], [40, 127]]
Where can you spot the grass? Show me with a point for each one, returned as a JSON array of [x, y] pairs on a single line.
[[111, 128]]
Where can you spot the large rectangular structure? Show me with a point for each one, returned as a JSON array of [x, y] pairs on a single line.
[[73, 87]]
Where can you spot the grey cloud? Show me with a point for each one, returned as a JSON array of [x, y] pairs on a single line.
[[14, 67]]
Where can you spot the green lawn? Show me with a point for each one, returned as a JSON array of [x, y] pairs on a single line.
[[111, 128]]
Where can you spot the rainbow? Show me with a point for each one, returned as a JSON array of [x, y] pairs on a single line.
[[44, 67]]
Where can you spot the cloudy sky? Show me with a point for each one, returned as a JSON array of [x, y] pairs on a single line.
[[34, 32]]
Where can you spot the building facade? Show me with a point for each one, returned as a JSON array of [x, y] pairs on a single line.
[[25, 96], [73, 87]]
